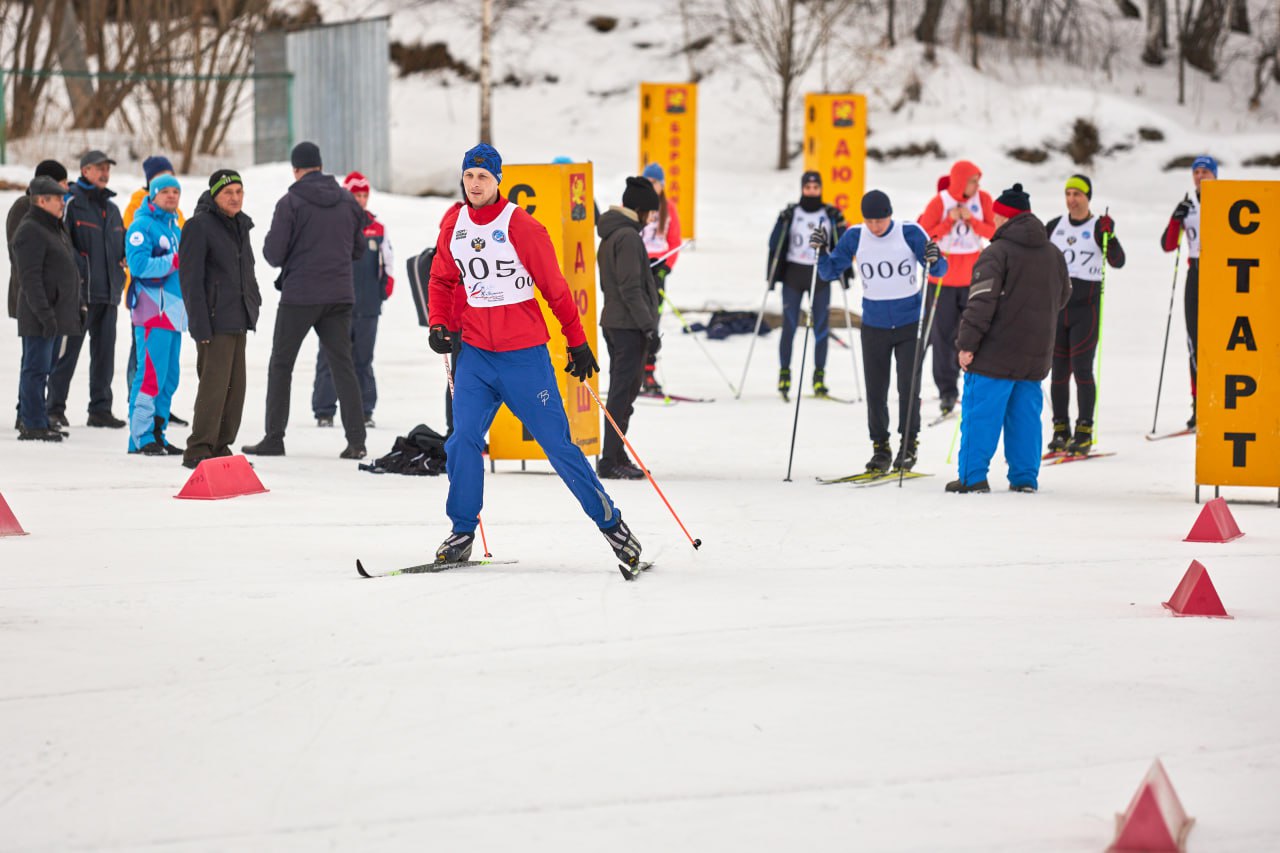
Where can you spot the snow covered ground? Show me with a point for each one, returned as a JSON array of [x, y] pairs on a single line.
[[874, 669]]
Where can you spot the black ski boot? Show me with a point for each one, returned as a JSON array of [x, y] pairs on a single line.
[[784, 383], [1083, 439], [624, 543], [946, 404], [906, 458], [455, 549], [1061, 435], [820, 388], [881, 456], [651, 387]]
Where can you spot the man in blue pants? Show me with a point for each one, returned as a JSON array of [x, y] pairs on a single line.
[[1005, 345], [500, 255]]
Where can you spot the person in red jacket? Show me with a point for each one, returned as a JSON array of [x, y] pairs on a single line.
[[959, 218], [1186, 217], [500, 255]]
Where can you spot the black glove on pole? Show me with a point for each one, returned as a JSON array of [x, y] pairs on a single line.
[[582, 363], [440, 340]]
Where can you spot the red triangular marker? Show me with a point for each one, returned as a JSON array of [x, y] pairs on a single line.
[[9, 525], [222, 477], [1196, 596], [1215, 524], [1155, 821]]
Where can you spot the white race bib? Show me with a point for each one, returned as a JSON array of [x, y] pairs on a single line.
[[886, 265], [961, 239], [802, 224], [487, 263], [1192, 226], [1079, 247]]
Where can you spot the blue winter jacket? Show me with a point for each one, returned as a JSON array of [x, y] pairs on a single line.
[[151, 248]]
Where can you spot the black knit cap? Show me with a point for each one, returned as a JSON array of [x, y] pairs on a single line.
[[640, 195], [875, 205], [51, 169], [305, 155], [222, 179], [811, 177], [1012, 202]]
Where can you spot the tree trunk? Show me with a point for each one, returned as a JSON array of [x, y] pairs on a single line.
[[786, 77], [930, 17], [486, 72], [892, 41], [1157, 32], [73, 59], [1202, 40], [1182, 59], [973, 34], [1240, 17]]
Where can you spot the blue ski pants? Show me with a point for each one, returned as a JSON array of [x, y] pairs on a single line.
[[990, 406], [153, 384], [525, 381]]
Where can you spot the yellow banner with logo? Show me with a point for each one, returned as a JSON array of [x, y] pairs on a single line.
[[1238, 357], [835, 146], [669, 137], [560, 197]]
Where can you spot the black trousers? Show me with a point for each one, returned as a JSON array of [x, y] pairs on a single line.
[[100, 328], [880, 348], [1191, 307], [324, 396], [946, 323], [1074, 347], [332, 324], [627, 350], [219, 396]]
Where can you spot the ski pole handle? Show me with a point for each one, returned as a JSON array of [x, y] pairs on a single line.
[[671, 252]]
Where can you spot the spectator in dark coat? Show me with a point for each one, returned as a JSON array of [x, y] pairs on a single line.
[[97, 232], [49, 169], [315, 234], [49, 303], [629, 317], [1005, 345], [220, 290]]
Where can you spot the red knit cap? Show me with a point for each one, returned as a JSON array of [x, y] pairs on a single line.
[[356, 183]]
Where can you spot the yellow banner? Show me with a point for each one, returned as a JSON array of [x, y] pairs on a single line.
[[835, 146], [1238, 359], [669, 137], [560, 197]]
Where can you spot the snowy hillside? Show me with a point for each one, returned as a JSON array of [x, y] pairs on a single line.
[[837, 668]]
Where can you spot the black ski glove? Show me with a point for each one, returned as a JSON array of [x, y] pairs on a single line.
[[1183, 210], [931, 253], [818, 237], [655, 342], [441, 339], [582, 363]]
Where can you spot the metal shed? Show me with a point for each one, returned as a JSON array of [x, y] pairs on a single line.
[[339, 96]]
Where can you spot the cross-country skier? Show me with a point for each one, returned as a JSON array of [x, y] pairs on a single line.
[[1186, 216], [1080, 237], [885, 253], [959, 217], [791, 265], [501, 255]]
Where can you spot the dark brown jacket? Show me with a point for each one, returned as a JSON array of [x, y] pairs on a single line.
[[48, 277], [630, 293], [1020, 284]]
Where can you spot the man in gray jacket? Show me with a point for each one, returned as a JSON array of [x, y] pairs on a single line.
[[316, 232], [1005, 345], [629, 319]]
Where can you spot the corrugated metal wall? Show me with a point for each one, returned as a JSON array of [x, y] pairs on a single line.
[[340, 99]]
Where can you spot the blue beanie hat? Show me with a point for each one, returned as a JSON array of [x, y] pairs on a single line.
[[1204, 161], [163, 182], [154, 165], [484, 156], [654, 173]]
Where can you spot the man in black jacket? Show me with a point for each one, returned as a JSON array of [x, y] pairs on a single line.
[[221, 293], [49, 169], [97, 233], [1005, 345], [629, 317], [315, 234], [48, 301]]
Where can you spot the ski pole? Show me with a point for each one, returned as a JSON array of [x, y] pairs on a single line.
[[1164, 354], [804, 351], [853, 351], [701, 346], [759, 319], [916, 360], [697, 543], [448, 374], [653, 263], [955, 433], [1102, 296]]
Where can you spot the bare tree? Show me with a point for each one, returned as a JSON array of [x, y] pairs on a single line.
[[486, 71], [1157, 40], [786, 36], [1203, 35], [34, 52], [930, 18]]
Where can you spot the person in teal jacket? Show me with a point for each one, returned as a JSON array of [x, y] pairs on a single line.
[[158, 313]]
